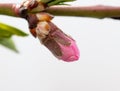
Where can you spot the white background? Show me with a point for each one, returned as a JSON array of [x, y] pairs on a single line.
[[36, 69]]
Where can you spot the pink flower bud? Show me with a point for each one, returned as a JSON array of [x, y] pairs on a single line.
[[70, 52], [60, 44]]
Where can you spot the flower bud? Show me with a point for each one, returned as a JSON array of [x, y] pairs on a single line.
[[60, 44], [69, 53]]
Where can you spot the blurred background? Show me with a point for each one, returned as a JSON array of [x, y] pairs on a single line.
[[36, 69]]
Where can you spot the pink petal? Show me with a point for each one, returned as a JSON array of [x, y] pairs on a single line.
[[70, 53]]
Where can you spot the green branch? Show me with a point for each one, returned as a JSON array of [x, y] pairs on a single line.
[[89, 11], [8, 9], [98, 11]]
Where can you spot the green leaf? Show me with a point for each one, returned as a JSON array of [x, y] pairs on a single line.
[[8, 43], [8, 31], [5, 35], [45, 1], [56, 2]]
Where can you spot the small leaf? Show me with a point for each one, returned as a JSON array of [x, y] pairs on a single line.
[[5, 35], [58, 2], [46, 1], [55, 2], [8, 43], [7, 31]]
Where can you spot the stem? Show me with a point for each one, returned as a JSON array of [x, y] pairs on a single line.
[[8, 9], [98, 11]]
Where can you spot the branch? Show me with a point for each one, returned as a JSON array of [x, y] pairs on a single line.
[[8, 9], [98, 11]]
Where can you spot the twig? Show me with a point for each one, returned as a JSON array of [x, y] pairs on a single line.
[[98, 11], [8, 9]]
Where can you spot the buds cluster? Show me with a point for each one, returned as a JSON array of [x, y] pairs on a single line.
[[61, 45]]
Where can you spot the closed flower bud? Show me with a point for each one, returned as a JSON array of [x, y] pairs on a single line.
[[60, 44]]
